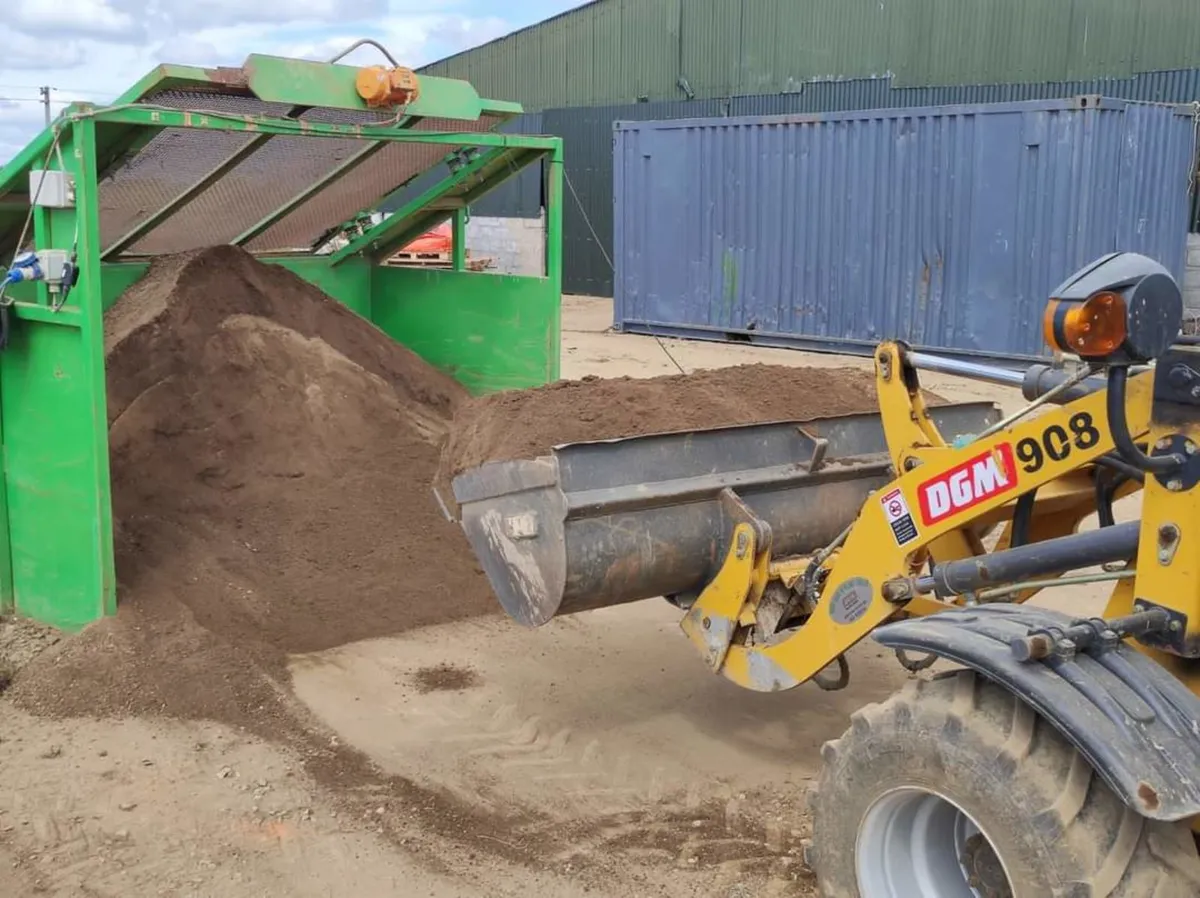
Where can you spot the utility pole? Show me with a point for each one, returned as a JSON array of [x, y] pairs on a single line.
[[45, 92]]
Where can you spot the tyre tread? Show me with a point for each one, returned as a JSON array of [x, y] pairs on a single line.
[[1114, 851], [1073, 795]]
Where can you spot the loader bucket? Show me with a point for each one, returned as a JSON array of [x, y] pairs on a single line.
[[600, 524]]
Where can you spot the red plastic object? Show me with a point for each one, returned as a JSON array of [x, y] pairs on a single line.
[[439, 240]]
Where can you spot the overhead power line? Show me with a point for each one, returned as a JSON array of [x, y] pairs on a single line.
[[34, 100], [81, 91]]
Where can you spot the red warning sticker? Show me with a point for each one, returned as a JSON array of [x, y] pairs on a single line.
[[895, 509]]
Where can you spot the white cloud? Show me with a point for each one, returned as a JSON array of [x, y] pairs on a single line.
[[23, 53], [73, 18], [94, 49]]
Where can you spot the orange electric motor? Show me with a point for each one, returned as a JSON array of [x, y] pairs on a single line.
[[381, 86]]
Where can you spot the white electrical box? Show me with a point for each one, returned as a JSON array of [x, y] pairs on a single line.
[[51, 189], [53, 262]]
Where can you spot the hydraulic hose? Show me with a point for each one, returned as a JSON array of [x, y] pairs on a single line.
[[1022, 519], [1106, 494], [1113, 463], [1118, 377]]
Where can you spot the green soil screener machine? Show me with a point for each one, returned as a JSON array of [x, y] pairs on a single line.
[[273, 156]]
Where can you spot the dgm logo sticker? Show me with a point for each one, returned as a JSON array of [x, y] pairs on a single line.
[[966, 485]]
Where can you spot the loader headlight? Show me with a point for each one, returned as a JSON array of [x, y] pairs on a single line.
[[1092, 329], [1122, 309]]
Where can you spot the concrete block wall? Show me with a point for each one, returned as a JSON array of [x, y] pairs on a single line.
[[1191, 276], [516, 245]]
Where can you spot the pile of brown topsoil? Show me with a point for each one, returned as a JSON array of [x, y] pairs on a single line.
[[529, 423], [272, 455]]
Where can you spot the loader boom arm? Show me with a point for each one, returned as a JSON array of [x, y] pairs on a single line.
[[933, 509]]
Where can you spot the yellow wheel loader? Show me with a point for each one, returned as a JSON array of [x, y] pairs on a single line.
[[1059, 756]]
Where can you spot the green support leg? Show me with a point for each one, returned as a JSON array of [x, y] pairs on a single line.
[[554, 222], [7, 595], [459, 248], [53, 418]]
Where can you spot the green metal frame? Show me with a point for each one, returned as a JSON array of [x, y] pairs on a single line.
[[490, 331]]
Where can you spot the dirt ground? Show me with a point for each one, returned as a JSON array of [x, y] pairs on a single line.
[[618, 766]]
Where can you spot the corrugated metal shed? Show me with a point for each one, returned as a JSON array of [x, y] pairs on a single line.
[[946, 227], [588, 211], [621, 51]]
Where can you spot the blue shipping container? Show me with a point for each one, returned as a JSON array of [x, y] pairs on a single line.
[[946, 227]]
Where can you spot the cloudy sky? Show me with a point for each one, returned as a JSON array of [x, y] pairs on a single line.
[[93, 49]]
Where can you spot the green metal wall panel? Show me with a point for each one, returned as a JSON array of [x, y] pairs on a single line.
[[599, 30], [649, 44], [349, 283], [710, 54], [785, 44], [1168, 34], [551, 61], [491, 332], [585, 67], [116, 278], [623, 51]]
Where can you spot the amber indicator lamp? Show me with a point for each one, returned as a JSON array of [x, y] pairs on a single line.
[[1093, 329]]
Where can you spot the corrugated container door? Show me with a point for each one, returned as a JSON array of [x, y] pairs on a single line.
[[946, 227]]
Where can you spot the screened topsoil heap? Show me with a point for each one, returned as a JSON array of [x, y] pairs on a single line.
[[529, 423], [272, 460]]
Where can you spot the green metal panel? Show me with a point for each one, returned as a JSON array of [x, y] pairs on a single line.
[[118, 277], [58, 559], [619, 51], [711, 48], [349, 284], [299, 82], [151, 117], [166, 77], [605, 53], [1102, 42], [1167, 35], [496, 332], [551, 60], [650, 47], [459, 239], [987, 41], [585, 74]]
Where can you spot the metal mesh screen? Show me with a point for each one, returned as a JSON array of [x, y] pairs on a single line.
[[271, 175], [170, 163], [388, 169]]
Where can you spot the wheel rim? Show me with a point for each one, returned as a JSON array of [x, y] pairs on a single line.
[[916, 842]]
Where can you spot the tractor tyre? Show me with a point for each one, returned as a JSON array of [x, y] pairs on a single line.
[[954, 788]]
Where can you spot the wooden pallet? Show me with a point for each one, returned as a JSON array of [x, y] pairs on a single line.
[[435, 260]]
